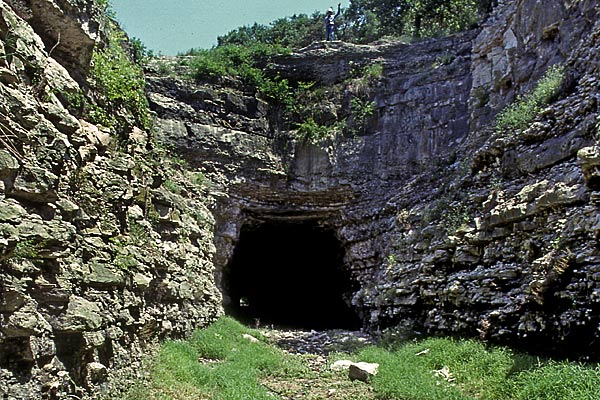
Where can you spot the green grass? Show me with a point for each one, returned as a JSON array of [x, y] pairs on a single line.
[[409, 372], [476, 372], [219, 363], [557, 381]]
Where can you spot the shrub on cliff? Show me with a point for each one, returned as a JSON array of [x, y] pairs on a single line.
[[368, 20], [237, 61], [294, 32], [517, 116], [245, 64], [119, 83], [117, 97]]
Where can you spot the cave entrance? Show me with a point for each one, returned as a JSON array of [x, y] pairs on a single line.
[[290, 275]]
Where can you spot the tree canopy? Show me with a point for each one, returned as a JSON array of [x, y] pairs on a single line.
[[367, 20]]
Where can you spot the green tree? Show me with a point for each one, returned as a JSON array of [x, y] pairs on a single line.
[[295, 31], [366, 20], [440, 17]]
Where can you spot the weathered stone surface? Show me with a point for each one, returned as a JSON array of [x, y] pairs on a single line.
[[25, 322], [341, 365], [102, 276], [515, 48], [96, 372], [11, 211], [589, 160], [363, 371], [8, 77], [37, 185], [27, 44], [250, 338], [81, 281], [73, 26], [60, 117], [81, 315]]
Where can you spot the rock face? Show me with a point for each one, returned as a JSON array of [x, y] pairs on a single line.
[[446, 226], [516, 46], [68, 28], [105, 248], [257, 178]]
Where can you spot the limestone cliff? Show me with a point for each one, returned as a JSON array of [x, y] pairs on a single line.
[[105, 241], [113, 239], [447, 227]]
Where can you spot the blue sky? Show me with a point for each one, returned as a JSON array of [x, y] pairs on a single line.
[[169, 27]]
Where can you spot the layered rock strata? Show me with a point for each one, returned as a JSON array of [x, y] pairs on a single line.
[[448, 227], [105, 245]]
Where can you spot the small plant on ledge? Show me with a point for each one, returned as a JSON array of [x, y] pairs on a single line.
[[517, 116]]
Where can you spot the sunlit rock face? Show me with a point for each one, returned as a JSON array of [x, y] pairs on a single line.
[[263, 175]]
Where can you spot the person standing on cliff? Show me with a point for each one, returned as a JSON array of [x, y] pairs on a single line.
[[330, 23]]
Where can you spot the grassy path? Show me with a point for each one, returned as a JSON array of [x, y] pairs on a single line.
[[228, 361]]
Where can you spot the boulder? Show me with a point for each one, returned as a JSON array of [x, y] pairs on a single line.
[[81, 315], [9, 166], [25, 322], [363, 371], [250, 338], [37, 185], [11, 211], [8, 77], [80, 25], [588, 159]]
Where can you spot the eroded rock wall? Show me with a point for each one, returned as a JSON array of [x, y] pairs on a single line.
[[505, 248], [105, 243], [261, 172], [447, 226], [518, 44]]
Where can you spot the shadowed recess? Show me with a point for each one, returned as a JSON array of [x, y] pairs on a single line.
[[290, 275]]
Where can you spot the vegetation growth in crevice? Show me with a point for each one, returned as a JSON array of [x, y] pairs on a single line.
[[517, 116], [114, 95]]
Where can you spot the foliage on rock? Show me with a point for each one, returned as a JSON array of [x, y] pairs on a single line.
[[237, 61], [120, 85], [293, 32], [517, 116]]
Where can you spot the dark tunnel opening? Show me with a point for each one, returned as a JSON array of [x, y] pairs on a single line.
[[290, 275]]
